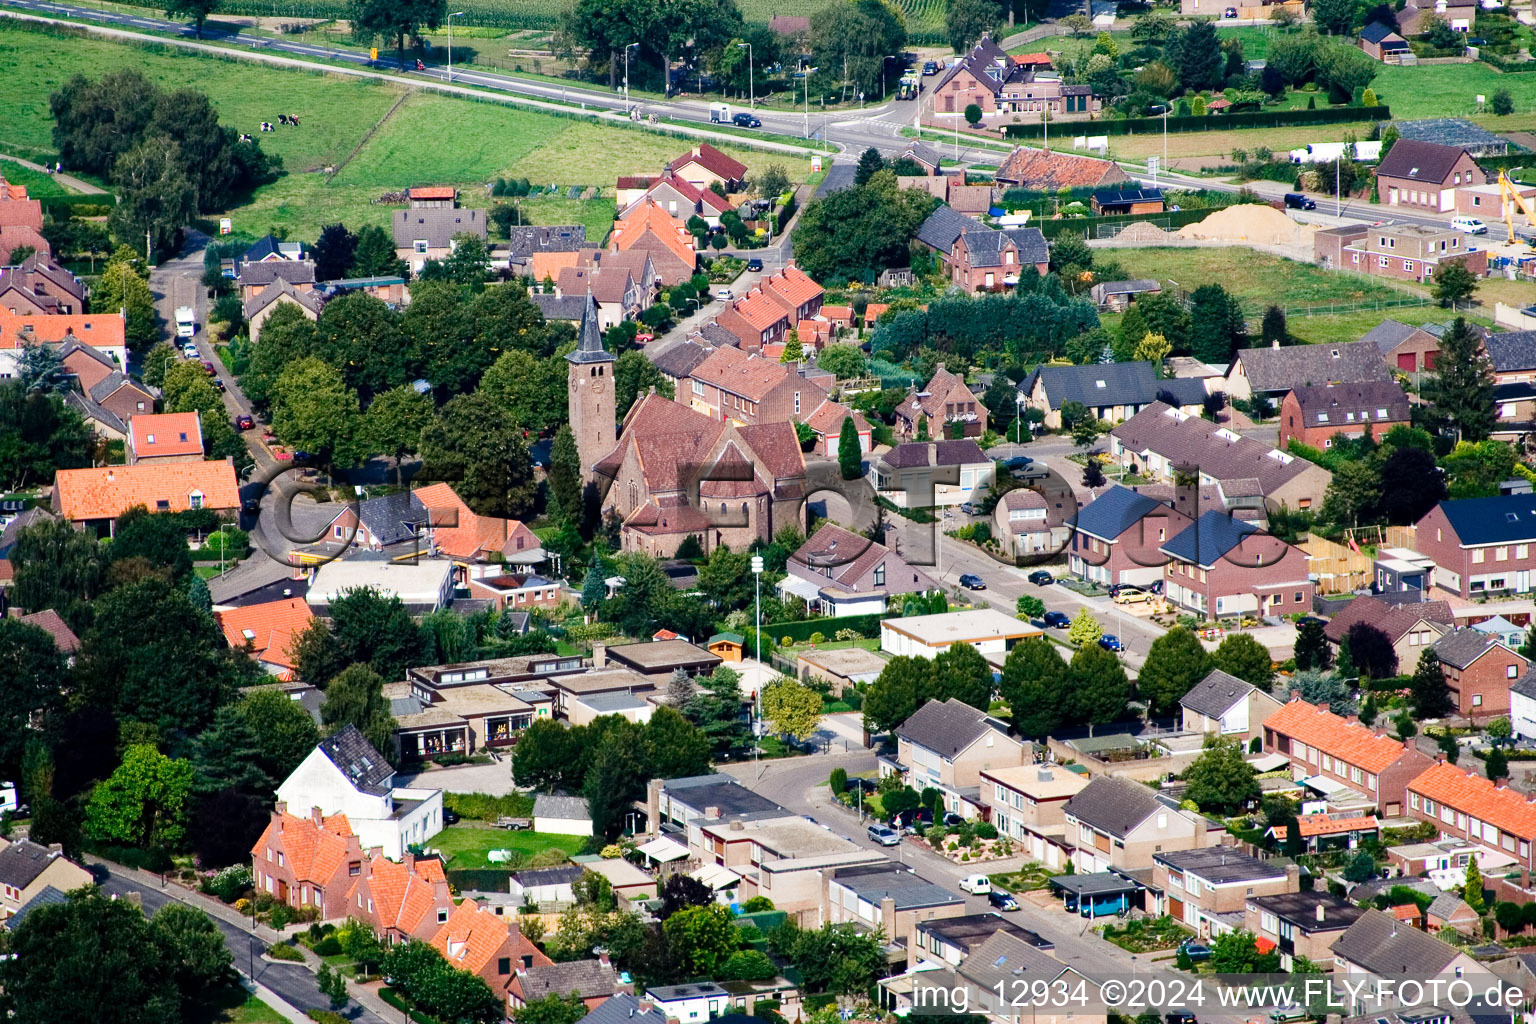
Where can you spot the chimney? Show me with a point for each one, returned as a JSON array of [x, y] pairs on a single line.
[[599, 655], [602, 958], [281, 808], [712, 813], [1321, 914], [1295, 695], [738, 826], [316, 815], [410, 862], [1293, 875], [56, 848], [1275, 343], [111, 476], [646, 1005]]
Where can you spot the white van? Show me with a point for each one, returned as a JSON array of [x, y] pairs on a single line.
[[976, 885], [1471, 225]]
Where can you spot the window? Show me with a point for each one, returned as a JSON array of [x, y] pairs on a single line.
[[1479, 556], [420, 246], [504, 965], [880, 575], [1477, 698], [195, 499], [1382, 261], [442, 916], [1501, 554], [1509, 672], [1408, 266]]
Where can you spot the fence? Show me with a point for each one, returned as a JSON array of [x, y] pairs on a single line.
[[1338, 568], [1214, 122]]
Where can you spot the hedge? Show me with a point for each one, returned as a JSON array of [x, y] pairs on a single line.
[[1507, 66], [480, 879], [866, 625], [95, 205], [785, 213], [1213, 122]]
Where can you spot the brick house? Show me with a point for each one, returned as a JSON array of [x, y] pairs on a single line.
[[998, 83], [428, 233], [1033, 523], [96, 497], [1027, 803], [887, 896], [104, 332], [1117, 824], [944, 400], [1410, 628], [476, 940], [267, 631], [681, 199], [1048, 171], [308, 862], [1481, 545], [1300, 923], [1005, 960], [1406, 348], [1425, 175], [826, 422], [988, 260], [1318, 742], [794, 291], [745, 388], [947, 745], [1109, 391], [404, 899], [838, 572], [1479, 668], [1203, 888], [1220, 566], [594, 982], [704, 165], [27, 868], [924, 474], [1405, 252], [1274, 371], [1118, 538], [165, 437], [755, 320], [650, 229], [1464, 805], [1380, 42], [256, 278], [1316, 415], [37, 286], [1224, 705]]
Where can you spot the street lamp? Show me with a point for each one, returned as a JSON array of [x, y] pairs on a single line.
[[455, 14], [751, 86], [889, 56], [757, 693], [1018, 417], [626, 75]]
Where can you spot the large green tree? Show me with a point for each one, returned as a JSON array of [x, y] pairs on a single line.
[[792, 708], [858, 35], [854, 233], [1220, 780], [1217, 326], [700, 938], [396, 19], [124, 286], [1099, 689], [1175, 662], [473, 443], [314, 411], [156, 198], [39, 434], [284, 731], [1035, 685], [394, 422], [31, 669], [1431, 696], [1243, 656], [1461, 386], [356, 697], [966, 20], [143, 803]]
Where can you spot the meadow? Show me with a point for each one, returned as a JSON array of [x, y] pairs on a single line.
[[417, 137]]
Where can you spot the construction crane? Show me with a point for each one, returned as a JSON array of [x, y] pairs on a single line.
[[1509, 198]]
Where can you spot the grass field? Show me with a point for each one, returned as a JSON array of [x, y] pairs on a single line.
[[411, 146], [37, 183], [466, 845], [243, 1008], [1260, 279]]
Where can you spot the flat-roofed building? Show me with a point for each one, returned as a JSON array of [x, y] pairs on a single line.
[[926, 636]]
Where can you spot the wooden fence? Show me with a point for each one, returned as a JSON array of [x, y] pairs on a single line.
[[1337, 567]]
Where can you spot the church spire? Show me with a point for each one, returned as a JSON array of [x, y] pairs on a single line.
[[590, 348]]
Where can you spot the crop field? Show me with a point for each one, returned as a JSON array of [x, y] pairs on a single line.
[[336, 113]]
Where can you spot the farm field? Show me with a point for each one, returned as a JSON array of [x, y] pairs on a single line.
[[466, 846], [336, 114]]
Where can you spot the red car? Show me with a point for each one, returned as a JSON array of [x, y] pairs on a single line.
[[209, 367], [244, 423]]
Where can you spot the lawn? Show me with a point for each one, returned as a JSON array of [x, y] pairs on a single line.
[[466, 845], [336, 113], [241, 1007], [37, 183]]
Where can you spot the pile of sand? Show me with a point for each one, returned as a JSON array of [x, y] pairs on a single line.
[[1251, 224], [1142, 231]]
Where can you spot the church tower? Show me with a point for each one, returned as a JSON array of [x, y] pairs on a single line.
[[593, 412]]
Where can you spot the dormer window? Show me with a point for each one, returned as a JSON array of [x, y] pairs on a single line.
[[150, 439]]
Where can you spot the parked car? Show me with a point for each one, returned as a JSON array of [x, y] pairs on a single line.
[[970, 581], [1470, 225], [1128, 596], [1286, 1014], [450, 817], [1033, 471], [1041, 578], [1057, 620], [754, 264], [1180, 1017], [745, 120], [1110, 642], [244, 423], [1017, 462], [976, 885], [1196, 952], [209, 367], [884, 835], [1297, 201], [972, 508], [953, 820], [189, 350], [1002, 900], [930, 67], [725, 295], [218, 384], [914, 821], [1230, 12]]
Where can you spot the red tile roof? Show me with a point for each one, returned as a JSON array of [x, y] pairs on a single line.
[[471, 937], [269, 628], [1033, 59], [21, 213], [1475, 796], [666, 435], [758, 309], [101, 330], [1323, 825], [313, 852], [457, 531], [791, 286], [107, 492], [649, 226], [159, 435], [1392, 619], [433, 192], [712, 160], [1040, 169], [404, 895], [7, 570], [733, 370], [1350, 742], [628, 181]]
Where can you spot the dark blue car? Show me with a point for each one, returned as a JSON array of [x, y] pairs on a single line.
[[1057, 620], [1110, 642]]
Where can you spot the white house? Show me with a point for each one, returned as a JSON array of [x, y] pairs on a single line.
[[344, 774], [1522, 705], [690, 1004], [423, 586], [561, 815], [545, 885], [926, 636]]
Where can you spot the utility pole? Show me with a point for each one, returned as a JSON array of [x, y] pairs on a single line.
[[751, 84], [1338, 199], [757, 693], [455, 14], [626, 76]]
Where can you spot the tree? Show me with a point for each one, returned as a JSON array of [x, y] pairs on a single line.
[[1238, 953], [1176, 661], [854, 233], [1152, 348], [1273, 330], [375, 254], [199, 959], [552, 1009], [156, 197], [700, 938], [1370, 651], [1343, 69], [1446, 741], [793, 352], [1200, 60], [31, 667], [1218, 329], [1220, 780], [123, 286], [1472, 887], [961, 673], [1029, 607], [1411, 485], [40, 368], [1496, 764], [57, 567], [1431, 696], [396, 19], [373, 629], [850, 455], [284, 732], [1247, 659], [616, 775], [1093, 474], [474, 444], [314, 411], [1368, 710], [966, 20], [901, 688], [973, 114], [158, 538], [1336, 17], [870, 161], [1098, 688], [1312, 650], [394, 422], [1085, 629], [143, 803], [1034, 684], [356, 697], [675, 747], [633, 375], [842, 361], [679, 892], [333, 252], [564, 477], [1454, 284], [792, 708], [1503, 102], [841, 958]]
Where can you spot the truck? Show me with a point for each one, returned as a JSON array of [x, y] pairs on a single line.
[[720, 113], [909, 86], [186, 322]]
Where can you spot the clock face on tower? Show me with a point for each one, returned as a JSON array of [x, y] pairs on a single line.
[[597, 387]]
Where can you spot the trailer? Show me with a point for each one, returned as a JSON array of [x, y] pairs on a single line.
[[720, 113]]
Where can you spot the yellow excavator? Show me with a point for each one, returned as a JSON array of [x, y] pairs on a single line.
[[1509, 198]]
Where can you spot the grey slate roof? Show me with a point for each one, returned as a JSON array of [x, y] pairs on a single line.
[[1460, 648], [986, 247], [1525, 686], [589, 979], [1115, 511], [914, 454], [573, 807], [364, 767], [437, 225], [90, 409], [23, 861], [679, 361], [1507, 517], [1419, 160], [718, 336], [734, 800], [1209, 538], [624, 1008], [1281, 369], [1113, 805], [32, 516], [970, 931], [549, 876], [1511, 350], [1375, 32], [590, 347], [47, 896], [263, 274], [113, 382], [947, 727], [924, 154], [1101, 384], [1445, 906], [1382, 946], [561, 307], [943, 226], [1389, 334], [1221, 865], [392, 518], [311, 300], [1344, 404], [877, 882], [529, 239], [1217, 692], [1006, 960]]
